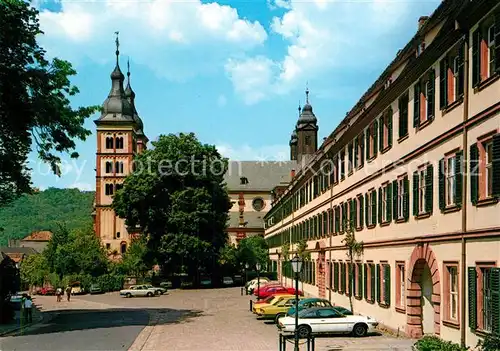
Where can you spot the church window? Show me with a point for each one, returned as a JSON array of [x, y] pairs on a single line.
[[123, 248], [119, 167], [109, 142], [307, 140], [108, 189], [109, 167], [119, 142], [243, 180]]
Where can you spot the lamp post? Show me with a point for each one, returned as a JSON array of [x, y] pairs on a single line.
[[257, 266], [297, 268]]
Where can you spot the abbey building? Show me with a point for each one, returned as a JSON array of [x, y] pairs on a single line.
[[413, 171]]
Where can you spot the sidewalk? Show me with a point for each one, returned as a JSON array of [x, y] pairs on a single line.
[[17, 324]]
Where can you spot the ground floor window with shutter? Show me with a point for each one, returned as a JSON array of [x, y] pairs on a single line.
[[358, 280], [451, 290], [400, 286], [484, 298], [369, 278], [383, 281], [421, 190], [383, 209]]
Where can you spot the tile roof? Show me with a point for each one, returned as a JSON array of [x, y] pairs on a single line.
[[43, 235], [18, 250], [253, 219], [261, 175]]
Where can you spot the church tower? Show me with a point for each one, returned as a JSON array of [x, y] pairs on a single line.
[[307, 133], [120, 137]]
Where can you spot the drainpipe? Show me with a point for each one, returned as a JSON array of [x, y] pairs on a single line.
[[330, 245], [464, 191]]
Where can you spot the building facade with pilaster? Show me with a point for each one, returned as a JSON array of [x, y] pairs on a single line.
[[413, 172]]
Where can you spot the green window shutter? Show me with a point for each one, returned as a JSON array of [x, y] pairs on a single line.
[[443, 83], [406, 199], [336, 276], [401, 116], [361, 224], [379, 205], [416, 105], [429, 189], [362, 149], [476, 58], [389, 202], [360, 281], [350, 279], [355, 213], [365, 279], [442, 202], [374, 207], [431, 95], [472, 282], [461, 69], [373, 282], [459, 178], [381, 132], [356, 150], [377, 281], [367, 204], [387, 284], [495, 165], [342, 277], [495, 300], [331, 222], [389, 126], [474, 173], [415, 193], [375, 137], [395, 200], [367, 140]]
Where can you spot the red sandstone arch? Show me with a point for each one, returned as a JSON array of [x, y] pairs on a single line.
[[422, 255]]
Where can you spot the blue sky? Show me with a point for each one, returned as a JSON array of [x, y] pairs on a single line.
[[233, 72]]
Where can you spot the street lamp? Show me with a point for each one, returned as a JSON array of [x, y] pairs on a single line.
[[297, 268], [246, 272], [257, 266]]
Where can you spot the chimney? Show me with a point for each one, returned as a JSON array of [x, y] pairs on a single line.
[[421, 21], [292, 173]]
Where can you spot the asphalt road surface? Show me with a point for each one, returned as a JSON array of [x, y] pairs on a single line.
[[114, 329]]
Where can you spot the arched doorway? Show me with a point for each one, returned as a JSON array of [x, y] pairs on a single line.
[[320, 268], [423, 299]]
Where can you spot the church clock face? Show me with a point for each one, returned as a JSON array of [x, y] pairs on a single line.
[[258, 204]]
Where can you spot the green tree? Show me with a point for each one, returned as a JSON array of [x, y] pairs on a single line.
[[180, 200], [303, 254], [252, 250], [354, 249], [34, 101], [137, 260], [34, 270]]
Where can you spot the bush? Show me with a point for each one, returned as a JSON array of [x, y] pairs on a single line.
[[110, 282], [489, 343], [433, 343]]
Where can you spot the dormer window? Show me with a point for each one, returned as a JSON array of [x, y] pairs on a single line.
[[420, 48], [243, 180]]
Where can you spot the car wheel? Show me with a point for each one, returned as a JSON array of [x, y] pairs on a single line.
[[149, 294], [304, 331], [359, 330], [128, 295], [278, 316]]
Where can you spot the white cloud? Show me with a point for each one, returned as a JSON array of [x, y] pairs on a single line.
[[176, 39], [82, 186], [250, 153], [321, 36]]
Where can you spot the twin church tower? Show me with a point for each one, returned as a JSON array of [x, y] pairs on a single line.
[[120, 136]]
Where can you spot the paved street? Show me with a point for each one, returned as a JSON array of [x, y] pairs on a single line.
[[213, 319]]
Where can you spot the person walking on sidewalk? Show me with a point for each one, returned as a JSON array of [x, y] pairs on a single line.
[[59, 294], [28, 304], [68, 292]]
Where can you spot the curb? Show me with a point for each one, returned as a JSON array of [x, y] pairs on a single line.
[[44, 318]]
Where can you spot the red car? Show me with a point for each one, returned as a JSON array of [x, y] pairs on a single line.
[[275, 290], [46, 291]]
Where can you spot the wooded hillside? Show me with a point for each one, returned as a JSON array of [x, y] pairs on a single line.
[[41, 211]]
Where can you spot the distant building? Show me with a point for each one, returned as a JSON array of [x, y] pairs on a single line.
[[37, 240], [18, 254]]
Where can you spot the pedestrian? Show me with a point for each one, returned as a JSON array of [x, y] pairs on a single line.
[[59, 294], [28, 304], [68, 292]]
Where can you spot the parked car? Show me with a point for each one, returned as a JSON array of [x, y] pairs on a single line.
[[238, 280], [263, 293], [166, 285], [77, 289], [270, 300], [227, 281], [252, 284], [95, 289], [137, 290], [308, 303], [205, 282], [158, 290], [46, 291], [319, 320], [264, 287], [277, 309]]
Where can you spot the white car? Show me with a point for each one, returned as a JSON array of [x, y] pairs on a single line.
[[138, 290], [227, 281], [319, 320], [252, 284], [157, 290]]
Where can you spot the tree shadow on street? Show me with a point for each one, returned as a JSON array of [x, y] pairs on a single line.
[[87, 319]]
